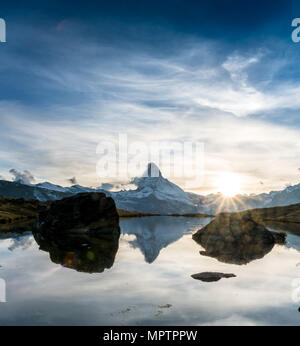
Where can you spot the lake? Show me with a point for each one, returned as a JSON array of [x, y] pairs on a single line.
[[144, 278]]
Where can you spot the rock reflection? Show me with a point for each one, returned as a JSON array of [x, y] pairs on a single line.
[[235, 240], [82, 252]]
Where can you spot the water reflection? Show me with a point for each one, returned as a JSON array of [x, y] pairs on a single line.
[[132, 292], [152, 234], [235, 253], [290, 227], [234, 240], [82, 252], [23, 241], [292, 230]]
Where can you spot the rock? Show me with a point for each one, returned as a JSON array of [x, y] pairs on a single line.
[[235, 238], [280, 237], [211, 276], [80, 232], [84, 212], [81, 252]]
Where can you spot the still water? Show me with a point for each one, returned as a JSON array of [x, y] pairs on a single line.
[[144, 278]]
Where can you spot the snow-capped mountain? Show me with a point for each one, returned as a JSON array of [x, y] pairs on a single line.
[[156, 194], [19, 190], [49, 186], [290, 195], [73, 189]]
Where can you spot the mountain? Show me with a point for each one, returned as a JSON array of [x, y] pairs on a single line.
[[41, 192], [155, 194], [49, 186], [18, 190], [71, 190], [285, 214], [279, 219], [288, 196]]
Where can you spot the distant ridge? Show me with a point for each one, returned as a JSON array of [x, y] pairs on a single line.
[[155, 194]]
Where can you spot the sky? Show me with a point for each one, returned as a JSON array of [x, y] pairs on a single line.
[[222, 73]]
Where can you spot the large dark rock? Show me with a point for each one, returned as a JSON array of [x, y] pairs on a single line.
[[235, 238], [84, 212]]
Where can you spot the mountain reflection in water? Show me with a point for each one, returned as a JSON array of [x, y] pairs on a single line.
[[133, 291], [94, 254], [152, 234]]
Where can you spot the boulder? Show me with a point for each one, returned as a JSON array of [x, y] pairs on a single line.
[[84, 212], [211, 276], [236, 238]]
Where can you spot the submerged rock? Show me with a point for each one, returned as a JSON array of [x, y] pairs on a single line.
[[235, 238], [84, 212], [211, 276]]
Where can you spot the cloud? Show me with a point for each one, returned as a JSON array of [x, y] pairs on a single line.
[[25, 178], [107, 186], [73, 181], [203, 92], [117, 186]]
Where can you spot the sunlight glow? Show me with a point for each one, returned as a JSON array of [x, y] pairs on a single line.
[[229, 184]]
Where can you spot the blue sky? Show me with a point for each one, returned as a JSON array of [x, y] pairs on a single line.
[[225, 73]]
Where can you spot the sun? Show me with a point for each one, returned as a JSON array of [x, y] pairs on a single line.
[[229, 184]]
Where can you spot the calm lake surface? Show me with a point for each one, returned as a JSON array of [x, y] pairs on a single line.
[[147, 281]]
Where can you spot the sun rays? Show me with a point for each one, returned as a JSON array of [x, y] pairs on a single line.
[[229, 184], [229, 188]]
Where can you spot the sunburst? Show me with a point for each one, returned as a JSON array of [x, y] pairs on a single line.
[[229, 184]]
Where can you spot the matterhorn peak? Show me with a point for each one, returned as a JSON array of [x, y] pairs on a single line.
[[152, 171]]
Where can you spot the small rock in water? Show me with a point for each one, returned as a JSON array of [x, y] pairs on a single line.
[[166, 306], [211, 276], [299, 309]]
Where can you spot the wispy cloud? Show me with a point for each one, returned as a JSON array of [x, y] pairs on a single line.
[[203, 93]]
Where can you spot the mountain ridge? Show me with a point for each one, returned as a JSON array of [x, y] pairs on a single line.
[[156, 195]]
